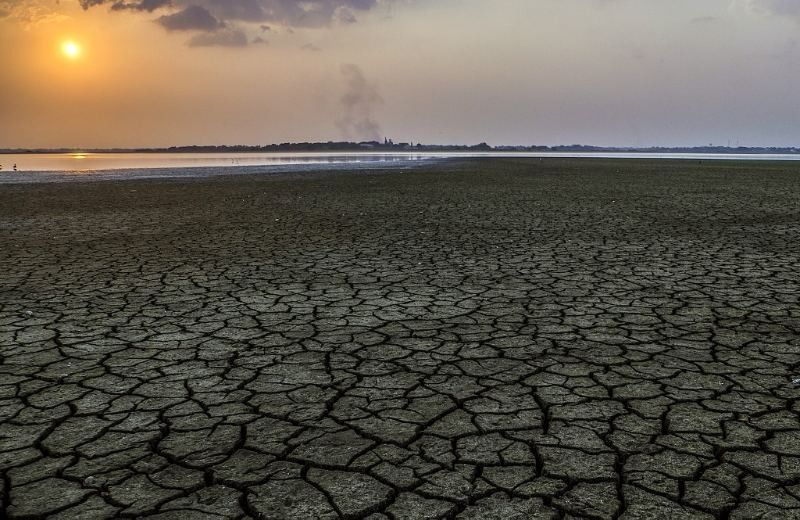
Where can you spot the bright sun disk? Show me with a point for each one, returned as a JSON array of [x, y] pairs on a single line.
[[71, 49]]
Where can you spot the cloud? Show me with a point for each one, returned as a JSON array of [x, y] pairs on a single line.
[[344, 15], [229, 37], [193, 18], [31, 13], [229, 22], [358, 103], [86, 4], [786, 8], [289, 13], [705, 19], [142, 5], [781, 7]]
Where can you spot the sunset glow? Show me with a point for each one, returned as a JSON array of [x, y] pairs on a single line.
[[71, 49], [544, 72]]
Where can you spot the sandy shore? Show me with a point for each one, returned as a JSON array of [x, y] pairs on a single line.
[[484, 339]]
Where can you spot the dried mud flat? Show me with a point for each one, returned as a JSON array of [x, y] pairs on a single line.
[[480, 339]]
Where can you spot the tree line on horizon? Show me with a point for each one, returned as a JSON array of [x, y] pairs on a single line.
[[389, 146]]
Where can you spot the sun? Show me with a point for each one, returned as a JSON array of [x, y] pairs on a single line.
[[71, 49]]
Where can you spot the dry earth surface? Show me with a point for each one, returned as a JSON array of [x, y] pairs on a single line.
[[487, 339]]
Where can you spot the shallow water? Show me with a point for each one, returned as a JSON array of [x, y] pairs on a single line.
[[116, 161], [83, 162], [76, 166]]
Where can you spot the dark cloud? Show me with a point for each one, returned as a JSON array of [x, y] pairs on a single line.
[[142, 5], [292, 13], [236, 10], [122, 5], [358, 103], [289, 13], [227, 22], [86, 4], [193, 18], [224, 38]]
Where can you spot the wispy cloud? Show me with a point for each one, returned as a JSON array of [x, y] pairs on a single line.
[[789, 8], [705, 19], [30, 13]]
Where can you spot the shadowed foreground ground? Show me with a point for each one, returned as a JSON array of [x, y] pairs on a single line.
[[502, 339]]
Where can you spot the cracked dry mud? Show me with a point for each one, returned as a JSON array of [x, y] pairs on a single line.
[[499, 339]]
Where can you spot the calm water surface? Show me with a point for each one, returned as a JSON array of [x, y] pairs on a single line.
[[86, 162], [49, 167]]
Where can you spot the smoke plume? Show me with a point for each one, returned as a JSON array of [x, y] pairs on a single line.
[[357, 103]]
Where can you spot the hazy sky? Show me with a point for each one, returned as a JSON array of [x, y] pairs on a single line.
[[605, 72]]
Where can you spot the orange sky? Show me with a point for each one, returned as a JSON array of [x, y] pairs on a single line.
[[608, 72]]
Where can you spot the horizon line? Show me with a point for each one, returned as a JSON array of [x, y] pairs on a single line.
[[389, 145]]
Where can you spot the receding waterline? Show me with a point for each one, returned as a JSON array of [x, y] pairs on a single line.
[[87, 163]]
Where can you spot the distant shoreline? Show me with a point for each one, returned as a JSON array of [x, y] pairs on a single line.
[[390, 147]]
